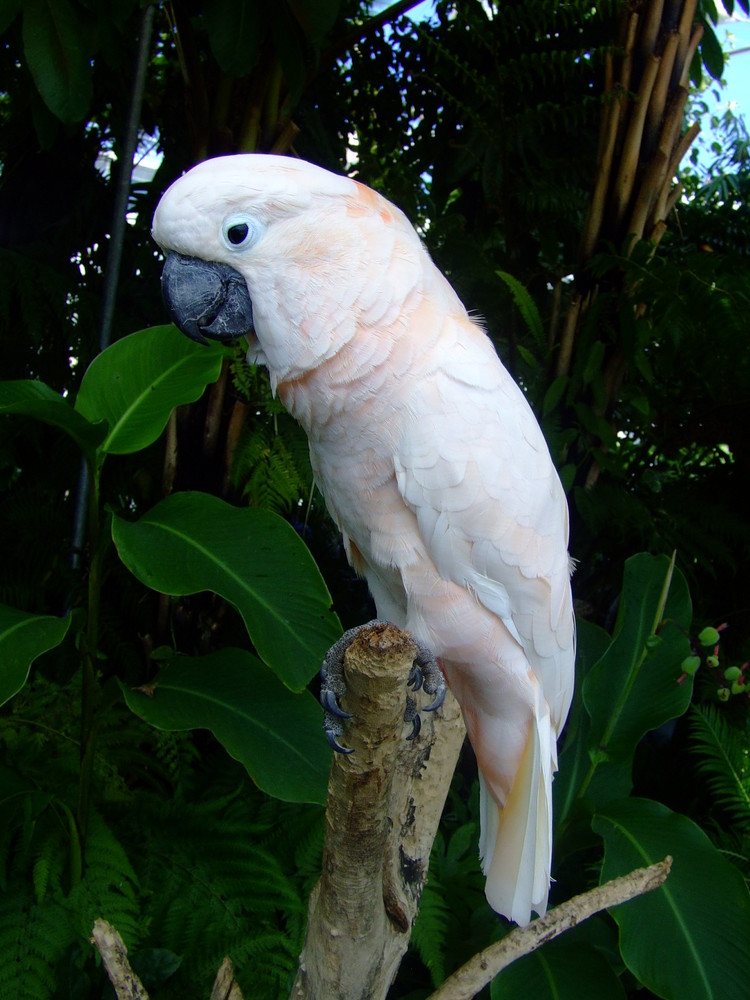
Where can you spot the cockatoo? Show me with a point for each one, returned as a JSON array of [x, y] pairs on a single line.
[[427, 453]]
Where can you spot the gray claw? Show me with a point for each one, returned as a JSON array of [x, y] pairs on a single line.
[[415, 678], [333, 727], [431, 677], [425, 674], [439, 699], [412, 715], [334, 743], [330, 703]]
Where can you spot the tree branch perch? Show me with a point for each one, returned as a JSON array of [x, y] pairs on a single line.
[[384, 805], [484, 966]]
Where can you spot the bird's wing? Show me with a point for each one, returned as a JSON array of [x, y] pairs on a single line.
[[474, 468]]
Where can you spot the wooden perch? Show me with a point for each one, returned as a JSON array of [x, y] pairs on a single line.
[[384, 805], [225, 985], [127, 985], [111, 947], [483, 967]]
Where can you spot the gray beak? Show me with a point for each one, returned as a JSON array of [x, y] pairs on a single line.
[[205, 299]]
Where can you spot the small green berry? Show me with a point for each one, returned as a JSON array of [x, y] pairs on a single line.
[[653, 642], [690, 665], [723, 694], [732, 674], [712, 661], [709, 636], [738, 687]]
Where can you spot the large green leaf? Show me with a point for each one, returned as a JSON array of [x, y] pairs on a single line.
[[275, 734], [689, 939], [559, 972], [8, 11], [235, 30], [23, 637], [315, 17], [591, 644], [53, 43], [633, 688], [253, 558], [35, 399], [136, 383]]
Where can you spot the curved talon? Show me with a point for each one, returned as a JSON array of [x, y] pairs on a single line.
[[330, 703], [416, 678], [416, 726], [439, 699], [335, 745]]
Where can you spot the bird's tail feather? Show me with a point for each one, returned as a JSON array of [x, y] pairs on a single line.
[[516, 838]]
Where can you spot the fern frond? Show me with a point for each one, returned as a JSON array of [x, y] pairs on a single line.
[[432, 927], [33, 938], [443, 934], [724, 761], [109, 887]]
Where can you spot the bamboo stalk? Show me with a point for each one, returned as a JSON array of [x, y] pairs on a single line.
[[694, 41], [629, 157], [686, 47], [597, 205], [648, 193], [568, 337], [660, 93], [627, 59], [651, 28]]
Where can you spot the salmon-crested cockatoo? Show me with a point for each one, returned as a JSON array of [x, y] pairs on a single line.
[[426, 451]]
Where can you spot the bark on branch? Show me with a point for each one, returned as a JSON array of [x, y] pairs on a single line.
[[127, 985], [384, 804], [111, 947], [467, 981]]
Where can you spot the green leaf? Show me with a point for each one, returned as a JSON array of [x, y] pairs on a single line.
[[596, 425], [711, 51], [192, 542], [8, 11], [567, 476], [234, 33], [633, 689], [689, 939], [527, 356], [275, 734], [288, 41], [554, 394], [527, 307], [315, 17], [136, 383], [23, 637], [591, 644], [35, 399], [57, 58], [722, 754], [559, 972], [594, 361]]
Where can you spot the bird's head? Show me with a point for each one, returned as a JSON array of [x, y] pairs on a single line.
[[276, 250]]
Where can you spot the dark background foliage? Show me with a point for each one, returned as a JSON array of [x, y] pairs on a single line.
[[482, 124]]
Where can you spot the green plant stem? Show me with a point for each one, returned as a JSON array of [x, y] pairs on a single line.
[[600, 754], [89, 684], [76, 847]]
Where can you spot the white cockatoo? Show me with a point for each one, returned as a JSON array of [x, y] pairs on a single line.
[[429, 457]]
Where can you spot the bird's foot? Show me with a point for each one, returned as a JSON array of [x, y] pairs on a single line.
[[425, 674]]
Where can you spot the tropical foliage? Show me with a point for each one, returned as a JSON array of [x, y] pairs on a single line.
[[170, 581]]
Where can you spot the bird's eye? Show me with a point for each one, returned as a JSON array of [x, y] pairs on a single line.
[[240, 232]]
